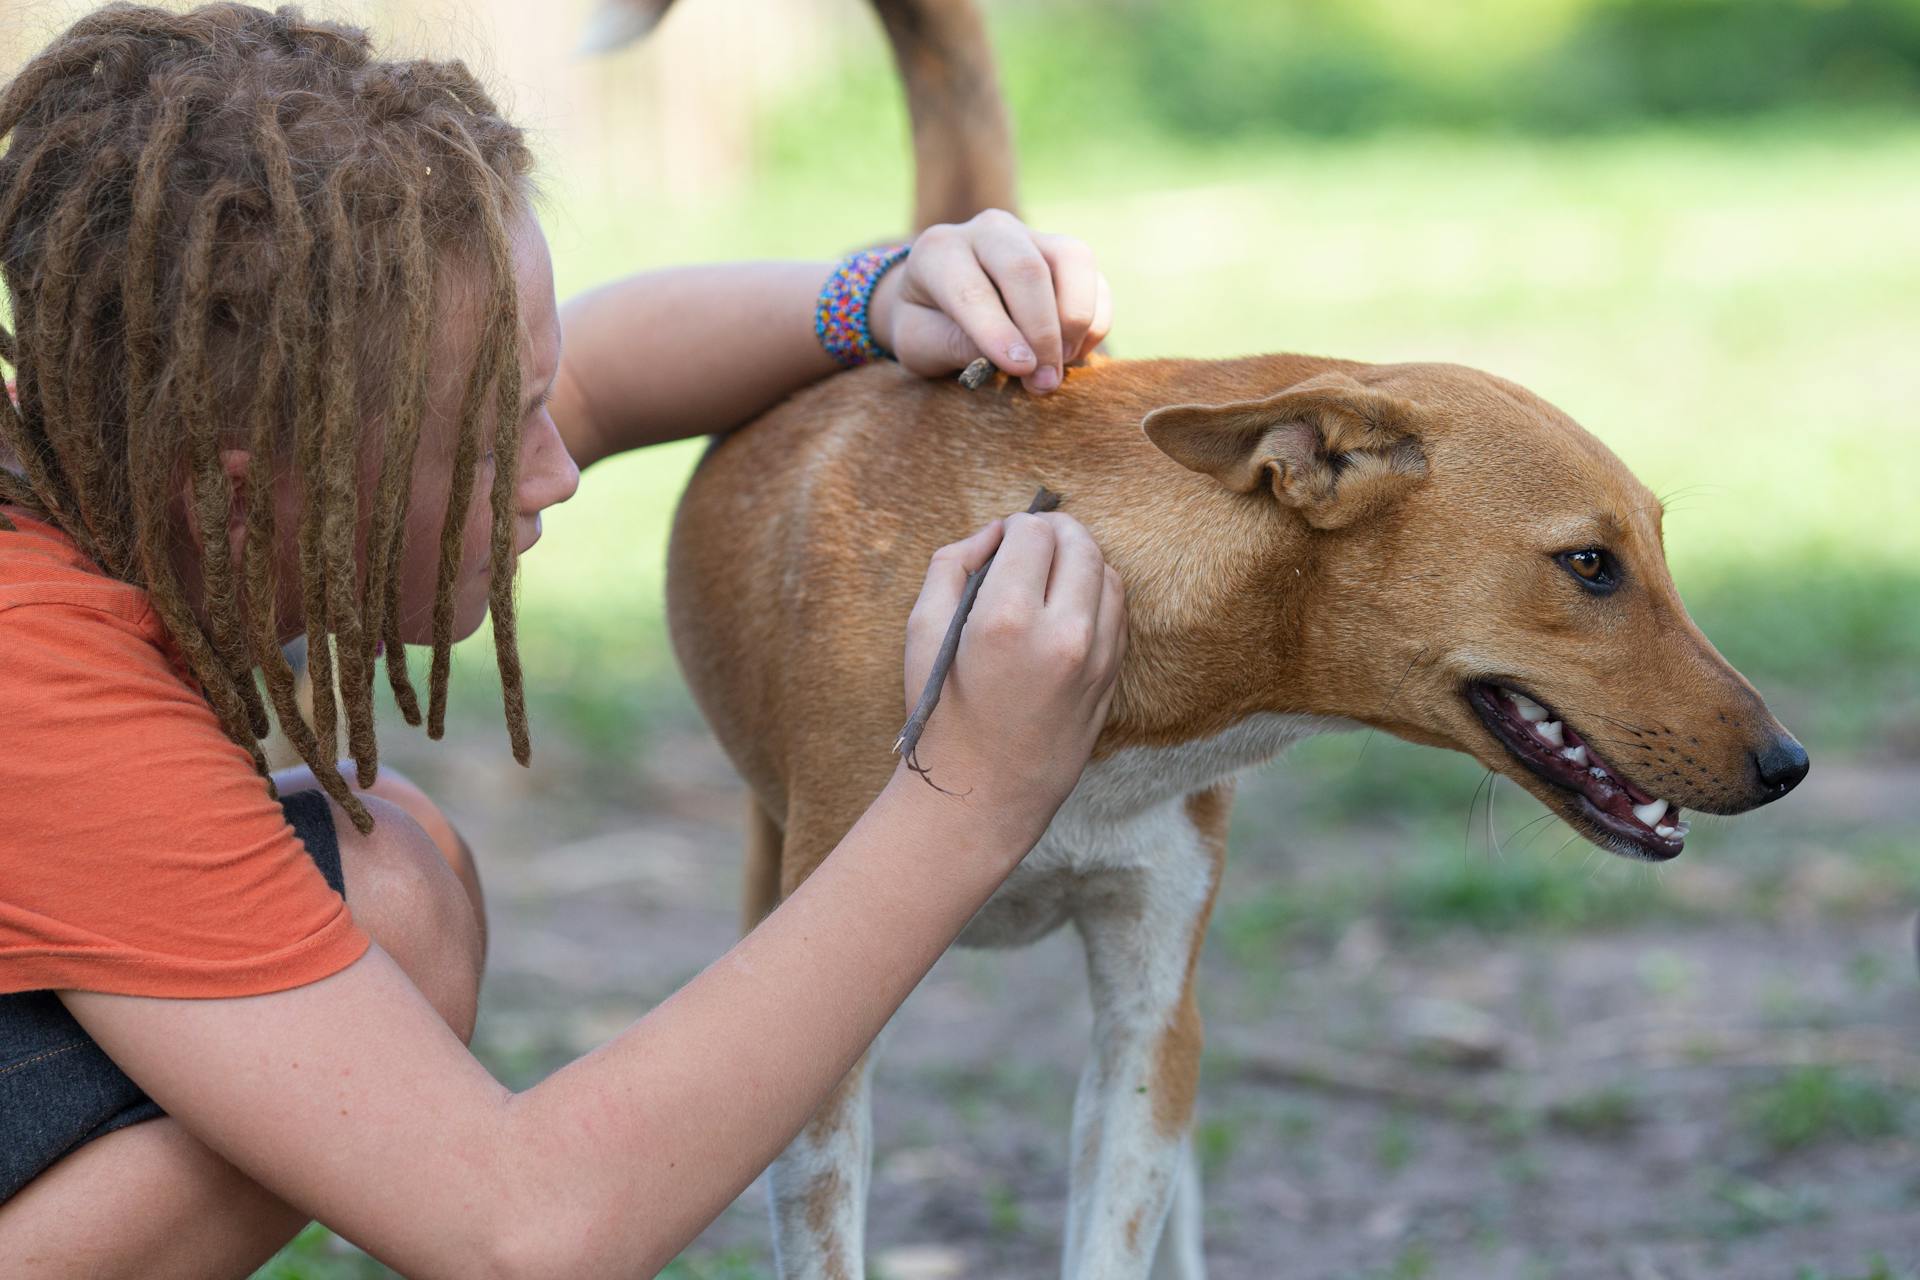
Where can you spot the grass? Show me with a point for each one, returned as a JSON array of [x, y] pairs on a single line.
[[316, 1255], [1876, 1268], [1819, 1104], [1610, 1112], [1421, 881], [1005, 1219], [1215, 1141], [1394, 1143], [730, 1264], [1749, 1206]]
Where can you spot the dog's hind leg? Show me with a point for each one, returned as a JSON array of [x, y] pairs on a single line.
[[819, 1188], [760, 879], [1179, 1256], [1131, 1154]]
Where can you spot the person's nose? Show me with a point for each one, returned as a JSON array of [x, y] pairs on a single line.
[[548, 475]]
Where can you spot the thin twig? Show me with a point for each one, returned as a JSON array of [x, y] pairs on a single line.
[[907, 744]]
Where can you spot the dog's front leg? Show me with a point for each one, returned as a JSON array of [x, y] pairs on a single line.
[[819, 1188], [1142, 928]]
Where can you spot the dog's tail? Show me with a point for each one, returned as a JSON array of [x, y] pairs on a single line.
[[962, 138]]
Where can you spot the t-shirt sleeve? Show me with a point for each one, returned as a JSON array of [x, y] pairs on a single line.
[[140, 854]]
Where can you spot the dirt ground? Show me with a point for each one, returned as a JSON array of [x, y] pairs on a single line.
[[1703, 1088]]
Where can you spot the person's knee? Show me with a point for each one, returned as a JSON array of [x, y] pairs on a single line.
[[411, 902], [395, 787]]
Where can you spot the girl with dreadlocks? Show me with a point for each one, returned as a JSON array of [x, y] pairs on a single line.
[[279, 311]]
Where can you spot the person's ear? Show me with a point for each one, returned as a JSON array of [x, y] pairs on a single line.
[[1330, 448]]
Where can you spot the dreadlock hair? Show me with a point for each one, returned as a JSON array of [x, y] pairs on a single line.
[[226, 228]]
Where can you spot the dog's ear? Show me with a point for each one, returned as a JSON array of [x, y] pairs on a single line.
[[1330, 448]]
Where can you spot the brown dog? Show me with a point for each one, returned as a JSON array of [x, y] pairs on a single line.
[[1308, 544]]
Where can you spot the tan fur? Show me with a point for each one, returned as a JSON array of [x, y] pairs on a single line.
[[1306, 543], [802, 541], [823, 1193], [1300, 537], [1176, 1077]]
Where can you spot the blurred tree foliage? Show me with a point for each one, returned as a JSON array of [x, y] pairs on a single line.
[[1217, 68]]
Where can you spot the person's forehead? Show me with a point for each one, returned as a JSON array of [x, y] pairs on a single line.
[[532, 260], [533, 274]]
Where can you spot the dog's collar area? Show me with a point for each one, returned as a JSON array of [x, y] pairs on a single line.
[[1624, 815]]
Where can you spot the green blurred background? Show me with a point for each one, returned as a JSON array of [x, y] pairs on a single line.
[[1690, 223]]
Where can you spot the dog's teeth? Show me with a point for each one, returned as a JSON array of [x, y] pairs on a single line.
[[1530, 711], [1597, 772], [1553, 731], [1575, 755], [1668, 831], [1651, 812]]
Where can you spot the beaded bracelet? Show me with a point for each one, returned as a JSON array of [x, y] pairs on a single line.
[[840, 318]]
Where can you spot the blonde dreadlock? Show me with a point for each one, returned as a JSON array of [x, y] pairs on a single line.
[[222, 228]]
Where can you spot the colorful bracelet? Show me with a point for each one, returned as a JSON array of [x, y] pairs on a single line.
[[840, 318]]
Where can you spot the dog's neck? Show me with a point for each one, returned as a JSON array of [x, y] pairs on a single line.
[[1216, 613], [1219, 584]]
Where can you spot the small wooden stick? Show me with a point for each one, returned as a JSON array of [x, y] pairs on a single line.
[[975, 375], [907, 744]]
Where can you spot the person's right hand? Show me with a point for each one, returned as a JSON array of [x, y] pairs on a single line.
[[1035, 674]]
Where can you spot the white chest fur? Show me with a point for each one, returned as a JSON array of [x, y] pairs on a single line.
[[1127, 813]]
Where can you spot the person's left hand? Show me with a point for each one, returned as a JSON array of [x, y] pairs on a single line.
[[991, 287]]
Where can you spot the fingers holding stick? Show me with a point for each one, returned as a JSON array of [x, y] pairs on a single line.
[[907, 744]]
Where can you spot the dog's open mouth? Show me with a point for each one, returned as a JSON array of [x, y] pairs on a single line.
[[1615, 814]]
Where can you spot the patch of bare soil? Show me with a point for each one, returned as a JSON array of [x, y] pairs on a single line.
[[1687, 1096]]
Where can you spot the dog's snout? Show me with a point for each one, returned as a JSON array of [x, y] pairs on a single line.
[[1781, 765]]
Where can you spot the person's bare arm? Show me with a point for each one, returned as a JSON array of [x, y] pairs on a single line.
[[351, 1099], [671, 354]]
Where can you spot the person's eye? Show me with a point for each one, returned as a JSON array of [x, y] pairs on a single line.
[[1593, 568]]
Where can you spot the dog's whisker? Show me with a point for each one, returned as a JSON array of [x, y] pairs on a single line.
[[1388, 705], [1691, 490], [1493, 836], [1592, 714], [1534, 826], [1473, 801], [1555, 855], [1592, 868]]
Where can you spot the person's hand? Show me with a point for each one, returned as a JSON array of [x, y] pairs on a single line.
[[1030, 687], [991, 287]]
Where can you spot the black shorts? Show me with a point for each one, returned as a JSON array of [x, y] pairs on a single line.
[[58, 1089]]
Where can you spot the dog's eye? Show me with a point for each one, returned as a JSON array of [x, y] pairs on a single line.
[[1594, 568]]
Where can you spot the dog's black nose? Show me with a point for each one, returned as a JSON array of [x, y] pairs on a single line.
[[1782, 765]]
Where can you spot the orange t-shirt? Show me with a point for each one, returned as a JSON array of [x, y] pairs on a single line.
[[140, 854]]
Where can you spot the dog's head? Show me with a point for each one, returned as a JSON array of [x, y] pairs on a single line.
[[1486, 576]]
